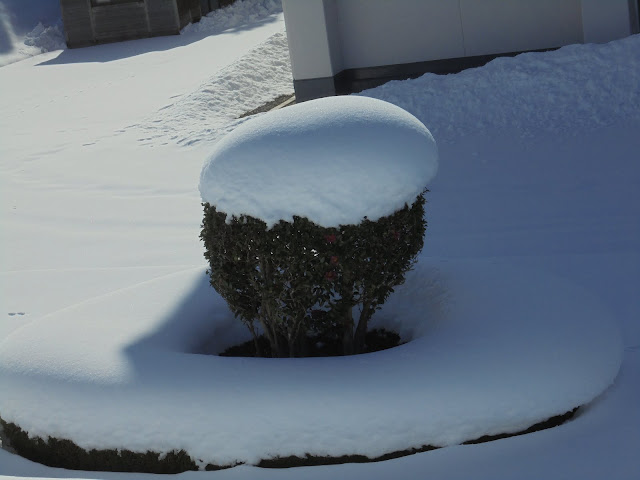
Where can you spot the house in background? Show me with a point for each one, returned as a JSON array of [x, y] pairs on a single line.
[[88, 22], [342, 46]]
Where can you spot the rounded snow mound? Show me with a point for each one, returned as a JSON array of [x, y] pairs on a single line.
[[333, 160]]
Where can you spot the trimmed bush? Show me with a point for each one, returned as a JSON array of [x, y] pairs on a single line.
[[66, 454], [298, 280]]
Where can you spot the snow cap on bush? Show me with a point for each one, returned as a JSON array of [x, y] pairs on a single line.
[[333, 160]]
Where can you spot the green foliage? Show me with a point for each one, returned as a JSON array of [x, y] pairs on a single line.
[[299, 280]]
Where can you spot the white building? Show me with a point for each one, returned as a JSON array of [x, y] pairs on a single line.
[[340, 46]]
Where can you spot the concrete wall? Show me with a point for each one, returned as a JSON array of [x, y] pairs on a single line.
[[327, 37]]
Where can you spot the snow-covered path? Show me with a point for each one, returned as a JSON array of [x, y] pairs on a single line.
[[76, 137]]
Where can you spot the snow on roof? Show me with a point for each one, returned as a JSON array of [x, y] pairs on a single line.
[[333, 160]]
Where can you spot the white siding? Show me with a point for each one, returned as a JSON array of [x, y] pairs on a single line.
[[310, 44], [383, 32], [502, 26], [328, 36], [605, 21]]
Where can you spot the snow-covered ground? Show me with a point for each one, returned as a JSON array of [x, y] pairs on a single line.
[[100, 162]]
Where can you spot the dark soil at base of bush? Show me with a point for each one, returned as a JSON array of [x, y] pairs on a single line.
[[375, 340], [66, 454]]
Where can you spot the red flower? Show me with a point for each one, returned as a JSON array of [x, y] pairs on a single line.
[[330, 238], [330, 275], [334, 260], [396, 235]]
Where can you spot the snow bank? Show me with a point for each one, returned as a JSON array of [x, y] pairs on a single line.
[[334, 160], [234, 16], [484, 357], [46, 39], [562, 92], [210, 111]]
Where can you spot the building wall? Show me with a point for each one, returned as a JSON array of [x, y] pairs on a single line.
[[119, 21], [374, 33], [328, 38], [87, 22], [76, 16], [500, 26], [316, 56], [331, 13], [163, 17], [188, 11], [610, 20]]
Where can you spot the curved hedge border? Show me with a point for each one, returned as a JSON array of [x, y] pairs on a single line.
[[63, 453], [66, 454], [545, 369]]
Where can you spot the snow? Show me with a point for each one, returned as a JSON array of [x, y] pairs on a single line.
[[562, 92], [538, 177], [26, 32], [236, 15], [333, 160], [119, 381], [214, 108]]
